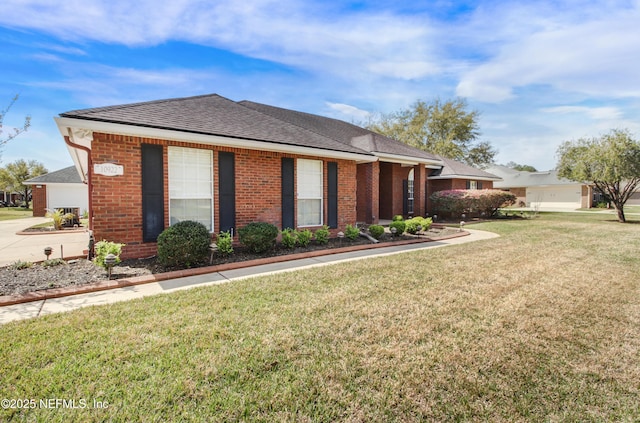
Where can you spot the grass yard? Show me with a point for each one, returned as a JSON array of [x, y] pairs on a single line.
[[9, 213], [541, 324]]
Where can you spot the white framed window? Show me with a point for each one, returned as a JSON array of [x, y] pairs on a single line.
[[310, 190], [410, 191], [191, 185], [473, 184]]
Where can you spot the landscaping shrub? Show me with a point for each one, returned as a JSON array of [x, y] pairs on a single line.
[[104, 248], [258, 236], [351, 232], [53, 262], [398, 218], [289, 238], [59, 217], [186, 243], [225, 243], [376, 231], [19, 265], [484, 201], [304, 238], [418, 222], [400, 226], [322, 235]]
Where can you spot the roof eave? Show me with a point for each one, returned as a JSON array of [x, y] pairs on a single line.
[[66, 124]]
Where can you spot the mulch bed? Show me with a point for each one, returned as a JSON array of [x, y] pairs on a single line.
[[80, 272]]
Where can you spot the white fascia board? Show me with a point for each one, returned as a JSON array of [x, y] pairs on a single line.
[[221, 141], [407, 160], [470, 177]]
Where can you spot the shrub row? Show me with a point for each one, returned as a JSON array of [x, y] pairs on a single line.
[[485, 202]]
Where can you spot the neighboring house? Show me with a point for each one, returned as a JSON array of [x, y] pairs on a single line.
[[62, 189], [457, 175], [543, 190], [226, 164]]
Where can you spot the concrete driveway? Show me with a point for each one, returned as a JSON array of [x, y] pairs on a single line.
[[15, 246]]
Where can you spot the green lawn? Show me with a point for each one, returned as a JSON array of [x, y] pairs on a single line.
[[8, 213], [541, 324]]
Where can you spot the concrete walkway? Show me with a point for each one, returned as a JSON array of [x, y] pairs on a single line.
[[22, 247], [63, 304]]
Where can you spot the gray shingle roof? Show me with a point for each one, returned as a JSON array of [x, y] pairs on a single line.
[[68, 175], [453, 168], [514, 179], [341, 131], [212, 115]]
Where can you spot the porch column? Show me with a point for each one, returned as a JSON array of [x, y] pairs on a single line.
[[368, 192], [419, 190]]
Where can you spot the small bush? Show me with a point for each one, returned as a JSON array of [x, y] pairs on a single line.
[[19, 265], [53, 262], [398, 218], [289, 238], [304, 238], [184, 244], [322, 235], [376, 231], [258, 236], [399, 225], [418, 224], [103, 248], [59, 217], [351, 232], [225, 243]]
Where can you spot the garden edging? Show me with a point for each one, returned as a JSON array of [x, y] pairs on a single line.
[[139, 280]]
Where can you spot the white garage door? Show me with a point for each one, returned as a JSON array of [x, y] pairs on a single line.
[[563, 197]]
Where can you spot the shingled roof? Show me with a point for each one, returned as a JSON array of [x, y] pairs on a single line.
[[68, 175], [341, 131], [455, 169], [212, 115]]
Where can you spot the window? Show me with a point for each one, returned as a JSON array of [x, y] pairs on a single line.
[[309, 178], [473, 184], [410, 192], [191, 186]]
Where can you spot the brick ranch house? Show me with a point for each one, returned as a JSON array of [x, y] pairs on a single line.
[[226, 164]]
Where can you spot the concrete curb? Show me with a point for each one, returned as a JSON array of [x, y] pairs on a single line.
[[139, 280]]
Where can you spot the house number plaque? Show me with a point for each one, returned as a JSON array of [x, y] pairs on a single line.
[[108, 169]]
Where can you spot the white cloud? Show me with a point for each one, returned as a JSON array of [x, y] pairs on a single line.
[[351, 111], [595, 56], [599, 113]]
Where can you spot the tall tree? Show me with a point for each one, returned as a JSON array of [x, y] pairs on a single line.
[[15, 131], [521, 167], [611, 162], [14, 174], [444, 128]]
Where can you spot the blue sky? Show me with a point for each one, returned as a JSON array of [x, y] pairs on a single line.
[[539, 72]]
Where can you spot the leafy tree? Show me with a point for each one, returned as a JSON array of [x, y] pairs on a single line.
[[444, 128], [15, 131], [521, 167], [14, 174], [611, 162]]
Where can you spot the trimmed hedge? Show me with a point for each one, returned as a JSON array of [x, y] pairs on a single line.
[[258, 236], [184, 244], [483, 201]]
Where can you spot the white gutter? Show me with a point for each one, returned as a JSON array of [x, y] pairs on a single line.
[[407, 160], [470, 177], [69, 125]]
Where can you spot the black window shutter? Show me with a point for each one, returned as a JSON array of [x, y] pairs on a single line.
[[468, 184], [288, 194], [152, 192], [479, 184], [227, 190], [332, 191]]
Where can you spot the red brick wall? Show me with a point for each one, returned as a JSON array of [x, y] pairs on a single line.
[[391, 189], [39, 200], [117, 200], [368, 192]]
